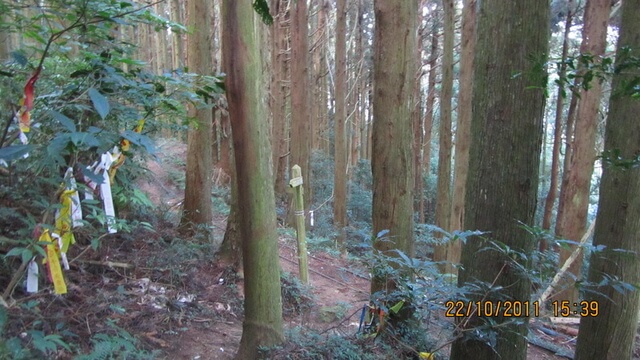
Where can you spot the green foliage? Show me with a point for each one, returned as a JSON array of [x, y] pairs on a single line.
[[358, 204], [262, 8], [297, 298], [117, 345], [308, 344], [92, 91], [33, 343], [583, 69], [90, 94]]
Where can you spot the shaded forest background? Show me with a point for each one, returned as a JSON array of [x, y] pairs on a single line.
[[252, 93]]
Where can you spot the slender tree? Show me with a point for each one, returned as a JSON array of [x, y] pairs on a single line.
[[300, 144], [262, 324], [576, 183], [557, 131], [463, 127], [502, 185], [392, 160], [176, 16], [278, 98], [340, 142], [611, 333], [428, 116], [197, 211], [443, 201], [319, 71]]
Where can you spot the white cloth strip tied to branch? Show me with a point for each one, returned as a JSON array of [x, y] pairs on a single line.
[[32, 276], [63, 255], [105, 189], [76, 208]]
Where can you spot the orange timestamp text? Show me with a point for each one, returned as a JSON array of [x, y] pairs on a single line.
[[491, 308]]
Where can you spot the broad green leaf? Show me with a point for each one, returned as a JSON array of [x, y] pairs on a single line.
[[96, 178], [17, 251], [14, 152], [100, 103], [80, 138], [139, 139], [64, 121]]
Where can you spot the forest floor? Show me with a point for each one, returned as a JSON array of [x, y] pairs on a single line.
[[171, 294]]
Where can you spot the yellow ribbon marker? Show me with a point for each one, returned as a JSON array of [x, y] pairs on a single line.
[[53, 263], [64, 222], [124, 147]]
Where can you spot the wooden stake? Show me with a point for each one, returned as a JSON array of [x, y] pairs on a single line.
[[298, 212]]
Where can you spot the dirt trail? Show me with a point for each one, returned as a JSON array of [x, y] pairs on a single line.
[[339, 287]]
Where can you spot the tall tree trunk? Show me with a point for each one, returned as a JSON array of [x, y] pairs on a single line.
[[197, 211], [178, 52], [319, 107], [262, 324], [611, 333], [463, 127], [428, 117], [418, 125], [442, 253], [278, 96], [300, 122], [392, 160], [557, 133], [340, 141], [230, 252], [576, 185], [506, 128]]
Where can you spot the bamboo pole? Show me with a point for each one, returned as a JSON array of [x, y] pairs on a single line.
[[298, 190]]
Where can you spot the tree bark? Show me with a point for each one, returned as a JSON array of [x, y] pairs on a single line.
[[576, 184], [340, 141], [463, 127], [262, 324], [418, 124], [278, 96], [197, 211], [300, 144], [319, 71], [442, 253], [428, 117], [557, 133], [392, 161], [501, 191], [611, 334]]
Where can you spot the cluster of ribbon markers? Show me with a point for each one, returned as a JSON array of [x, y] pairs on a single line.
[[69, 215]]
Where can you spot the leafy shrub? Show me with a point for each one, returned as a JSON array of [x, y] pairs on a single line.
[[117, 345], [297, 298], [310, 345]]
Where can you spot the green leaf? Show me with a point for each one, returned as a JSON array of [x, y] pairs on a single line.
[[14, 152], [139, 139], [262, 8], [19, 58], [17, 251], [96, 178], [27, 255], [396, 308], [79, 138], [100, 103], [64, 121]]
